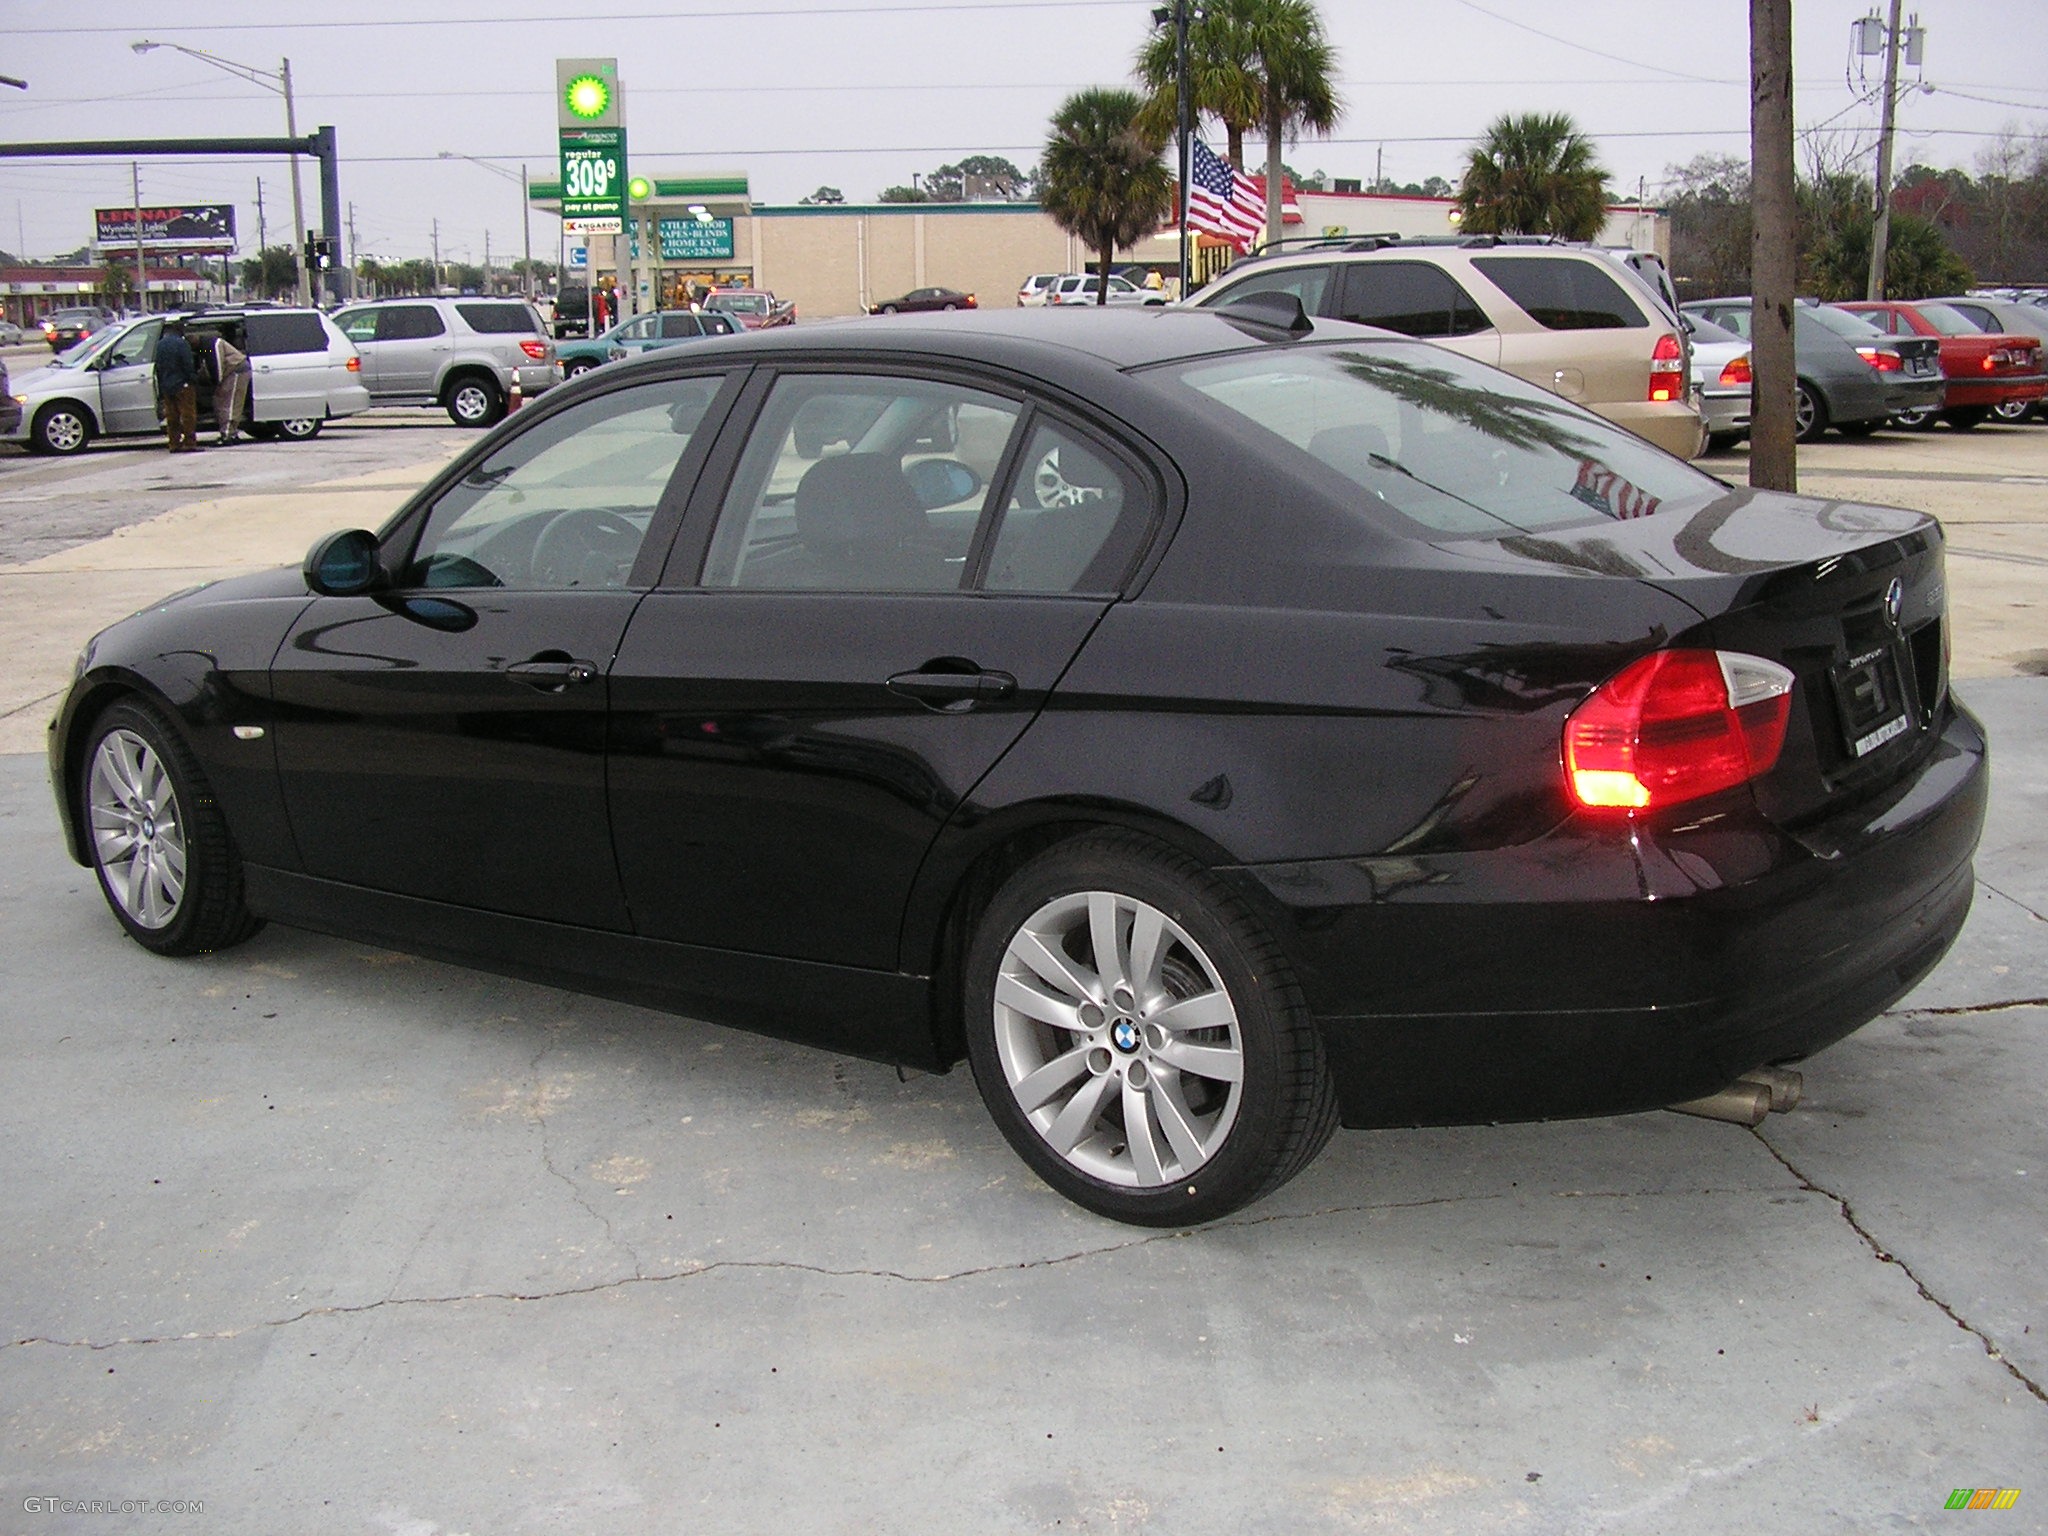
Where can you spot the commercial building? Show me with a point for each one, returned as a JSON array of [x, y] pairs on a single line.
[[838, 259]]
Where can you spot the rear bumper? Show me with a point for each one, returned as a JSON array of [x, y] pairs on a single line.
[[1903, 394], [1994, 390], [1594, 973], [1725, 411], [1673, 425]]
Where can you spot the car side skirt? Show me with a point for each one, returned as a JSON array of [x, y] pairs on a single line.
[[879, 1015]]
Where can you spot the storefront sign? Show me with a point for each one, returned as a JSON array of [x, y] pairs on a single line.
[[696, 240]]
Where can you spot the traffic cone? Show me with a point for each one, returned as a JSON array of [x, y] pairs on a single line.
[[518, 396]]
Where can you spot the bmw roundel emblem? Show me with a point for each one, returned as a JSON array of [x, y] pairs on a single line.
[[1894, 599], [1125, 1035]]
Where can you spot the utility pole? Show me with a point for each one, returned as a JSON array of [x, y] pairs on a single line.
[[1773, 448], [437, 255], [262, 229], [141, 262], [488, 284], [1881, 226], [351, 249]]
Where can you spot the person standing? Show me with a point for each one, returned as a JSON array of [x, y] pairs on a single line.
[[177, 381], [231, 371]]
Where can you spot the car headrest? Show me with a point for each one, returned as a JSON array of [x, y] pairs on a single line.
[[857, 498]]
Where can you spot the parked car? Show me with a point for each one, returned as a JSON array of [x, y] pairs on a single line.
[[65, 328], [2013, 317], [10, 408], [1852, 376], [571, 316], [755, 308], [1721, 381], [1578, 322], [642, 333], [1082, 288], [303, 373], [919, 299], [1032, 291], [1984, 369], [1211, 730], [10, 334], [463, 355]]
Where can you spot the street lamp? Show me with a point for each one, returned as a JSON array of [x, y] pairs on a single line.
[[525, 206], [1180, 14], [280, 81]]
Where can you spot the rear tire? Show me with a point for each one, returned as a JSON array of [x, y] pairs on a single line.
[[580, 365], [1857, 428], [300, 429], [474, 401], [2013, 411], [1809, 413], [157, 839], [1965, 417], [1195, 1026], [1919, 419]]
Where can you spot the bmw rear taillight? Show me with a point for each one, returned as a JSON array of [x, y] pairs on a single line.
[[1737, 371], [1883, 359], [1676, 725], [1667, 369], [537, 350]]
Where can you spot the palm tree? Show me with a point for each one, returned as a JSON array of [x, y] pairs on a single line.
[[1101, 178], [1534, 175], [1223, 80], [1295, 65]]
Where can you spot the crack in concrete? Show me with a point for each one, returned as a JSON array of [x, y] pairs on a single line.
[[1959, 1010], [547, 1161], [1885, 1256], [1019, 1266], [1994, 890]]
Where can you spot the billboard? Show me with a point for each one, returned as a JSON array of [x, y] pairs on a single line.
[[200, 227], [696, 239]]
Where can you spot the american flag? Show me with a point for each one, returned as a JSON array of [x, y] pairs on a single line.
[[1223, 201]]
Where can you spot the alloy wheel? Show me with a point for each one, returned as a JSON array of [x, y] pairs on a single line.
[[137, 832], [1118, 1039]]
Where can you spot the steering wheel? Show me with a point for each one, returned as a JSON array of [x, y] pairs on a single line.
[[1053, 489], [561, 555]]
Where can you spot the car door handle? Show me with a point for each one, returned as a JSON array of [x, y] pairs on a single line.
[[551, 676], [954, 687]]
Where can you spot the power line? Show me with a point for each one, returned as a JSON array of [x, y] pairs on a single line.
[[555, 20], [1677, 74]]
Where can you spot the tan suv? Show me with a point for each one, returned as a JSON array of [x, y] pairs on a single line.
[[1575, 320]]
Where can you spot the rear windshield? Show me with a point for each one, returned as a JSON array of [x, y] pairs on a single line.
[[500, 319], [1842, 322], [272, 335], [1950, 322], [739, 303], [1563, 293], [1456, 449]]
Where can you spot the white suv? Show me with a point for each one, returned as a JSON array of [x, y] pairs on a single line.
[[1576, 321], [1082, 288]]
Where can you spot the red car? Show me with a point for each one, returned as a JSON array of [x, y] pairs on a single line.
[[754, 308], [1983, 369]]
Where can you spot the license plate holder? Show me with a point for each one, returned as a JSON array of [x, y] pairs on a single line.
[[1870, 702]]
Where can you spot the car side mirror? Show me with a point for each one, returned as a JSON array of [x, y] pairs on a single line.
[[344, 564]]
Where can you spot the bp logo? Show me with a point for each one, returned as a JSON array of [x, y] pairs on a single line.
[[588, 96]]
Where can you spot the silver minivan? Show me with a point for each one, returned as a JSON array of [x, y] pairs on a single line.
[[303, 372]]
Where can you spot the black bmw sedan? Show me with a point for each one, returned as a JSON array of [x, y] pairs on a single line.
[[1214, 727]]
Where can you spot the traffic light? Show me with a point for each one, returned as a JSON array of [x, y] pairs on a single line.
[[320, 251]]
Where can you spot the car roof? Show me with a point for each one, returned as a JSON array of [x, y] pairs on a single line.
[[1121, 338]]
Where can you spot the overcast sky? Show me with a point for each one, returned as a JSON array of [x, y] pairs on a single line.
[[802, 93]]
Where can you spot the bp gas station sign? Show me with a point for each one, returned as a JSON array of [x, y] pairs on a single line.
[[590, 119]]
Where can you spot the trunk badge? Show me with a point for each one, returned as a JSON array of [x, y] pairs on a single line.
[[1894, 600]]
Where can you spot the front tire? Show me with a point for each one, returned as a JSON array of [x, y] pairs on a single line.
[[159, 844], [577, 367], [61, 428], [1138, 1037]]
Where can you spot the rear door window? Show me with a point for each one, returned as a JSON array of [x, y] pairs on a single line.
[[273, 335], [1073, 520], [674, 326], [1411, 297], [500, 319], [1563, 293]]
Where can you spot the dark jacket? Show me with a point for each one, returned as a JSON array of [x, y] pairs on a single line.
[[176, 367]]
